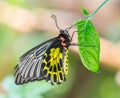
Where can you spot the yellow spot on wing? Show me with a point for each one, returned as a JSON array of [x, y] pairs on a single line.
[[60, 55], [56, 52], [52, 52], [45, 61]]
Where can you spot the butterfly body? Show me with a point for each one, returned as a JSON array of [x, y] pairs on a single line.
[[65, 38], [48, 61]]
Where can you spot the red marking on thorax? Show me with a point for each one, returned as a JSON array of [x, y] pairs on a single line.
[[62, 41]]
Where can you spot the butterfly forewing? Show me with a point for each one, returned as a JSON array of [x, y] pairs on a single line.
[[46, 61], [26, 71]]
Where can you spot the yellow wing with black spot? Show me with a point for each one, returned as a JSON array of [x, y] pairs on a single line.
[[48, 61]]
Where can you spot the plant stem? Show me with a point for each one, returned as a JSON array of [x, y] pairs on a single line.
[[91, 15]]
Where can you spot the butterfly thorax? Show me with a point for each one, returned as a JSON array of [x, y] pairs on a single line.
[[65, 38]]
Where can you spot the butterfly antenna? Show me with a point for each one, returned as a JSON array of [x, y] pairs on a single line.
[[55, 19], [69, 27]]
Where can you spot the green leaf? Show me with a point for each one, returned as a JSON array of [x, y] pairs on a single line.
[[89, 45], [84, 11]]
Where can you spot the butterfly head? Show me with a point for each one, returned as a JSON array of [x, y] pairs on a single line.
[[65, 38], [64, 33]]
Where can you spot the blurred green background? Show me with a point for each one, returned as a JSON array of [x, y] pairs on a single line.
[[27, 23]]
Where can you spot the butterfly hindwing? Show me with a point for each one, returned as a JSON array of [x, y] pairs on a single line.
[[48, 61], [54, 64]]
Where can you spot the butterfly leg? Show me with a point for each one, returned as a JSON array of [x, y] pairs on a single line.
[[75, 44], [78, 31], [73, 35]]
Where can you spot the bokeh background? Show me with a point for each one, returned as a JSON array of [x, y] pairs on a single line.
[[27, 23]]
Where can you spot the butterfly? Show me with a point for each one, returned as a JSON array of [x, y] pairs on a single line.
[[47, 61]]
